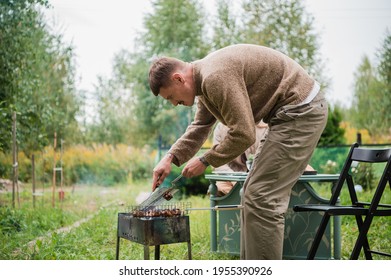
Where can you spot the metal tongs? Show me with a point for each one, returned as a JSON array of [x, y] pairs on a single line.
[[161, 194], [173, 182]]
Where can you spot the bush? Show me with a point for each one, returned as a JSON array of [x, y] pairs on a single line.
[[197, 185], [364, 175], [11, 221], [329, 160]]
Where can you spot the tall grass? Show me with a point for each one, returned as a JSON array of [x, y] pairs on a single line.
[[101, 164]]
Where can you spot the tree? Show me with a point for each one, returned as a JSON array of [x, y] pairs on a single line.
[[173, 28], [384, 56], [36, 77], [384, 69], [365, 87], [372, 88], [285, 26], [177, 28], [333, 133], [226, 30]]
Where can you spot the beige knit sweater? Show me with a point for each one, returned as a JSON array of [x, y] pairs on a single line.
[[239, 85]]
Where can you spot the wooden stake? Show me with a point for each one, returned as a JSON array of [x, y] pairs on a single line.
[[15, 163], [33, 177], [54, 169]]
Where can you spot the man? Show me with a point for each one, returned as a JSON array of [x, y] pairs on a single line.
[[239, 86]]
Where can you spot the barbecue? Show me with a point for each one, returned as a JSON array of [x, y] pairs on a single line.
[[155, 226], [156, 221]]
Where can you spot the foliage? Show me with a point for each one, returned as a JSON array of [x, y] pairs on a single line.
[[174, 28], [226, 28], [367, 88], [351, 133], [329, 160], [370, 107], [24, 225], [11, 221], [364, 175], [99, 164], [197, 185], [114, 119], [330, 167], [178, 28], [284, 25], [384, 56], [36, 78], [333, 134]]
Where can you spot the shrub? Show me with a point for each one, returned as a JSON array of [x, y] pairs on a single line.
[[329, 160], [11, 221], [197, 185], [364, 175]]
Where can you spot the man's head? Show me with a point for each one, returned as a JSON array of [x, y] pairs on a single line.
[[172, 79]]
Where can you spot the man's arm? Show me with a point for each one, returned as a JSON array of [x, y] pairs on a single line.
[[161, 170], [194, 137], [229, 99]]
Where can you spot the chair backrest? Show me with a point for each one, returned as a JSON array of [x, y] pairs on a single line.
[[357, 154], [371, 155]]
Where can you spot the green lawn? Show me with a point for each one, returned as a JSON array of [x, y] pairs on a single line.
[[21, 228], [32, 233]]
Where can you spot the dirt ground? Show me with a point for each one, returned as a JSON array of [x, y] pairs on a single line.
[[6, 185]]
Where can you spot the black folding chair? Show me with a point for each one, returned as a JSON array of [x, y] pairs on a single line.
[[363, 211]]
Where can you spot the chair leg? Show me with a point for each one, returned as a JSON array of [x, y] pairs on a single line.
[[365, 225], [361, 242], [318, 237]]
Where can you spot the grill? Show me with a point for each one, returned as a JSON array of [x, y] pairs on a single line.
[[155, 225], [155, 222]]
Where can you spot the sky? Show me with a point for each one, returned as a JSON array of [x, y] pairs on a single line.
[[348, 29]]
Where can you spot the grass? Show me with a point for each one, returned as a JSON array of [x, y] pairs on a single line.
[[28, 233]]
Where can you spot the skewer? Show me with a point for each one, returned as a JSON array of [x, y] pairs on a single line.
[[219, 208]]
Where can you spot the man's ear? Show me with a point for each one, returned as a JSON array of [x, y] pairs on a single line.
[[177, 77]]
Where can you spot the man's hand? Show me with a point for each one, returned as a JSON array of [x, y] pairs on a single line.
[[161, 171], [193, 168]]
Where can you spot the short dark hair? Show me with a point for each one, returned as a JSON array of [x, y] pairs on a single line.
[[160, 71]]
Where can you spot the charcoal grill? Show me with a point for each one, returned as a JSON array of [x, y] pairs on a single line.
[[154, 222], [155, 225]]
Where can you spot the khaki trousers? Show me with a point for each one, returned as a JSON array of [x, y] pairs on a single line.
[[294, 133]]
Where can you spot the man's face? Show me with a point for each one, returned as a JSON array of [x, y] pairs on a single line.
[[179, 92]]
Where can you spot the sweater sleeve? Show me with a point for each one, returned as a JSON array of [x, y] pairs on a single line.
[[229, 99], [194, 137]]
